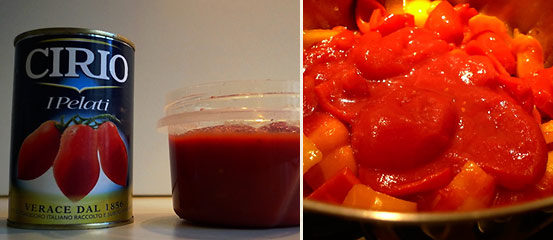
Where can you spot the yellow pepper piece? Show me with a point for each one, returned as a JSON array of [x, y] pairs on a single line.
[[362, 196], [547, 130], [546, 182], [529, 54], [419, 9], [331, 164], [311, 37], [311, 154]]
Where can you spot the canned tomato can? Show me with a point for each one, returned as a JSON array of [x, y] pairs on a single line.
[[72, 122]]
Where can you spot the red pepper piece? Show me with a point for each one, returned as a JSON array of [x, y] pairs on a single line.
[[366, 13], [490, 43], [327, 51], [445, 21], [406, 183], [542, 88], [394, 22], [465, 12], [336, 188]]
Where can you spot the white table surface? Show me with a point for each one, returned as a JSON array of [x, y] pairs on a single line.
[[153, 219]]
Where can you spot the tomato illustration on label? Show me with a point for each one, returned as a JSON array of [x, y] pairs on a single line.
[[113, 153], [76, 167], [38, 151]]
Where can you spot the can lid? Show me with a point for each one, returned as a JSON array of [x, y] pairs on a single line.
[[70, 30]]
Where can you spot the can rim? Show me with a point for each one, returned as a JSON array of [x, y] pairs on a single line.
[[72, 30]]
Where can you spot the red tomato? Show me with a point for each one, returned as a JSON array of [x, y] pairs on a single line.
[[113, 153], [38, 151], [501, 137], [520, 91], [396, 53], [405, 129], [76, 167], [345, 95], [449, 70], [445, 21]]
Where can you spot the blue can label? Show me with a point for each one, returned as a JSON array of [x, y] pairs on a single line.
[[72, 119]]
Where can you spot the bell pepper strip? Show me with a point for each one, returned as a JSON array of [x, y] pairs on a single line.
[[363, 197], [336, 188], [484, 23], [404, 184], [445, 21], [470, 189], [313, 36], [331, 163], [325, 131], [364, 11], [311, 154]]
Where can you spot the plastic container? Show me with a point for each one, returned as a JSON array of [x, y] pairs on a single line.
[[235, 152]]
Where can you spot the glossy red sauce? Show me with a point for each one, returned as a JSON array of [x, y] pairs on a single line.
[[418, 109], [247, 179]]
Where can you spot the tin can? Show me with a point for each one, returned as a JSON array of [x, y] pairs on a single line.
[[72, 121]]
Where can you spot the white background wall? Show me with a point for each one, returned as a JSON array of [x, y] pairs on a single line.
[[178, 43]]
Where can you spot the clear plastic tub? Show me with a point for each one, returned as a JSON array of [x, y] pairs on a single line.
[[235, 152]]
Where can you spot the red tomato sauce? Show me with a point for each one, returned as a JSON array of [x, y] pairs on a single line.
[[421, 102], [236, 179]]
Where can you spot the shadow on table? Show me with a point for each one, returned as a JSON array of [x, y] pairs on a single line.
[[10, 233], [173, 226]]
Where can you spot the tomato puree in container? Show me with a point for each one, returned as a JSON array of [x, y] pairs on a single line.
[[234, 150]]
